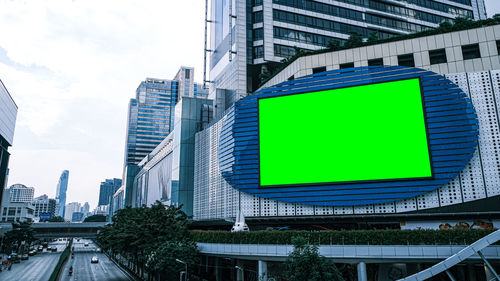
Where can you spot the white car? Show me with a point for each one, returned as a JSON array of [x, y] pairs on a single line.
[[94, 259], [86, 244]]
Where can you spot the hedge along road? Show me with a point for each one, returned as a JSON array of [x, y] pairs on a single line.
[[38, 267], [83, 270]]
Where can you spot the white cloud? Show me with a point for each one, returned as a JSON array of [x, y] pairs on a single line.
[[72, 67]]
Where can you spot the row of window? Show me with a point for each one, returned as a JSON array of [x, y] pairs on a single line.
[[396, 24], [386, 7], [408, 13], [323, 24], [322, 8], [301, 36]]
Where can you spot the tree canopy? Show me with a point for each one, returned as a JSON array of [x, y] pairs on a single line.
[[305, 263], [21, 234], [153, 238], [95, 218]]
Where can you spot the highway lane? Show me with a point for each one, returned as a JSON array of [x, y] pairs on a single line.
[[36, 268], [83, 270]]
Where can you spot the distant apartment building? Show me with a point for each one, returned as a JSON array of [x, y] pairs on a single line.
[[151, 118], [7, 124], [21, 194], [44, 205], [70, 209], [17, 208], [107, 189], [86, 209], [62, 187]]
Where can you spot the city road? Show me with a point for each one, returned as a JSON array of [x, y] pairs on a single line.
[[83, 270], [36, 268]]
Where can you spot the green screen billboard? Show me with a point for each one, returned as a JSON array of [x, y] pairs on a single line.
[[364, 133]]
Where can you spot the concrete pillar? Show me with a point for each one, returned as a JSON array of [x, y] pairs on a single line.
[[262, 268], [240, 273], [362, 272]]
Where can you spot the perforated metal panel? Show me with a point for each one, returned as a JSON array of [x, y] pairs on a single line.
[[465, 187]]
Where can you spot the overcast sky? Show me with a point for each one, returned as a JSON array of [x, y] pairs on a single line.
[[72, 67]]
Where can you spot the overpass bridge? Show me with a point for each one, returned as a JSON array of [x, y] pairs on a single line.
[[61, 229]]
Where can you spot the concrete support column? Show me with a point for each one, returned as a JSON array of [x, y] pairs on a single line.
[[240, 273], [362, 272], [262, 267]]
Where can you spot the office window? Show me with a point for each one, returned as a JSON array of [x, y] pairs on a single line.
[[406, 60], [471, 51], [319, 69], [437, 56], [498, 47], [346, 65], [373, 62]]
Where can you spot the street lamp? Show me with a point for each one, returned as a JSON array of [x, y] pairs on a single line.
[[186, 272], [242, 272]]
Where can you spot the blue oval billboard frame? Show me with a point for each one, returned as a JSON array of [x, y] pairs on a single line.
[[452, 128]]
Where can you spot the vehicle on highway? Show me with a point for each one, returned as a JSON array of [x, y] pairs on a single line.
[[54, 249], [32, 253], [86, 244], [94, 259], [98, 250], [40, 248], [24, 257], [14, 258], [45, 244], [49, 248]]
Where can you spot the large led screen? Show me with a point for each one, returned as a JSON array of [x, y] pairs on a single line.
[[365, 133]]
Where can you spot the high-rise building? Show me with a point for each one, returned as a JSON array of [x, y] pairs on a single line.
[[150, 118], [70, 209], [250, 38], [18, 210], [62, 187], [7, 124], [21, 193], [107, 189], [86, 209], [44, 205]]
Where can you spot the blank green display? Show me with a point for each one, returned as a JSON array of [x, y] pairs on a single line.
[[363, 133]]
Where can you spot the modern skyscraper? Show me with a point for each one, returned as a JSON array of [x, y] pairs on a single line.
[[44, 205], [21, 193], [107, 189], [7, 124], [71, 208], [249, 38], [150, 118], [62, 187], [86, 209]]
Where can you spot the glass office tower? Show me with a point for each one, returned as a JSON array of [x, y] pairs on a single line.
[[107, 189], [62, 187], [151, 118], [250, 38], [8, 114]]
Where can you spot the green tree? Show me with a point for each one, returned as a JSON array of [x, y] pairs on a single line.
[[21, 234], [95, 218], [305, 263], [334, 45], [462, 23], [373, 37], [56, 219], [151, 238], [354, 40]]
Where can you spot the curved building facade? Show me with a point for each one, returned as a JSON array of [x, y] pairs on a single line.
[[463, 135]]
